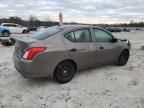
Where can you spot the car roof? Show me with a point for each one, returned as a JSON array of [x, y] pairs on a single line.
[[9, 23], [71, 27]]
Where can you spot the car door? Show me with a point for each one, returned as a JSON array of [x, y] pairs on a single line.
[[80, 46], [12, 28], [106, 49], [19, 29]]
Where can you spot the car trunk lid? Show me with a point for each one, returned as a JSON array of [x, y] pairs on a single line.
[[22, 44]]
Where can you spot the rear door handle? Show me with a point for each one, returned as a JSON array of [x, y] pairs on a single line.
[[73, 50], [101, 47]]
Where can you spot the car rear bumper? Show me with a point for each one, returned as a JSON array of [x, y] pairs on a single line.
[[29, 70]]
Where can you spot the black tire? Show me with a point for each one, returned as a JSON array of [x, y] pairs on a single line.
[[6, 34], [25, 31], [123, 58], [64, 72], [7, 42]]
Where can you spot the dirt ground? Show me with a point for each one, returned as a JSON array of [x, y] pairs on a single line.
[[102, 87]]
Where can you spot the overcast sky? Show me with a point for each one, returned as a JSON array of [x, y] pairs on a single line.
[[82, 11]]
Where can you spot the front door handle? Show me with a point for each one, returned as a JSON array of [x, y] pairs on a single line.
[[101, 47], [73, 50]]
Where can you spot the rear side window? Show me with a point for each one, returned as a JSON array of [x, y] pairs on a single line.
[[82, 35], [19, 26], [102, 36], [70, 36], [46, 33]]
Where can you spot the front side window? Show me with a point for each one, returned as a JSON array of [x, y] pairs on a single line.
[[83, 35], [12, 25], [102, 36]]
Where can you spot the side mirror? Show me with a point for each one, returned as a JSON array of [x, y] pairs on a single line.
[[114, 40]]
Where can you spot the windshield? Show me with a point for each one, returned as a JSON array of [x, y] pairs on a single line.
[[46, 33]]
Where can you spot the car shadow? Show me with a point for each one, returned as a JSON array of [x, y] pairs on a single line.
[[92, 69], [40, 82], [51, 81]]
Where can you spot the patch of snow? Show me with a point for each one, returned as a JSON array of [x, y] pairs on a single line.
[[102, 87]]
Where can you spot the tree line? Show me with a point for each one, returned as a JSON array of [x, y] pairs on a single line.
[[34, 21], [130, 24]]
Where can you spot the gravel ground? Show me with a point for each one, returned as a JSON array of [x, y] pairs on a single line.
[[102, 87]]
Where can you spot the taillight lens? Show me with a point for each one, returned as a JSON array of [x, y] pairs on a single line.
[[31, 52]]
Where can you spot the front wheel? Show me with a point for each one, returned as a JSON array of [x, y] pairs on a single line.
[[64, 72], [123, 58], [6, 34]]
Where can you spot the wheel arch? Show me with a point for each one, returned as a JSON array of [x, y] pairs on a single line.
[[125, 50], [24, 30], [121, 54], [5, 31]]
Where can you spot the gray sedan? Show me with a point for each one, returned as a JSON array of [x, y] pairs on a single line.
[[60, 51]]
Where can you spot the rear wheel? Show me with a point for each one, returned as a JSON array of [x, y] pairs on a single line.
[[64, 72], [6, 34], [25, 31], [123, 58]]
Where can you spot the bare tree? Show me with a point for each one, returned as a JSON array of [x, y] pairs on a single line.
[[32, 19], [48, 19]]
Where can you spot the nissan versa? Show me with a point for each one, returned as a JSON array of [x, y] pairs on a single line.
[[60, 51]]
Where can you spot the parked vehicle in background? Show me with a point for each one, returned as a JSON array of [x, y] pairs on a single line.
[[41, 28], [7, 41], [110, 29], [114, 29], [62, 50], [138, 29], [4, 32], [31, 28], [126, 30], [118, 30], [14, 28], [5, 37]]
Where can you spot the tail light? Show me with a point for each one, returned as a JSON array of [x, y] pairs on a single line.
[[32, 52]]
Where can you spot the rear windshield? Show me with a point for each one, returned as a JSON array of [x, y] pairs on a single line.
[[41, 35]]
